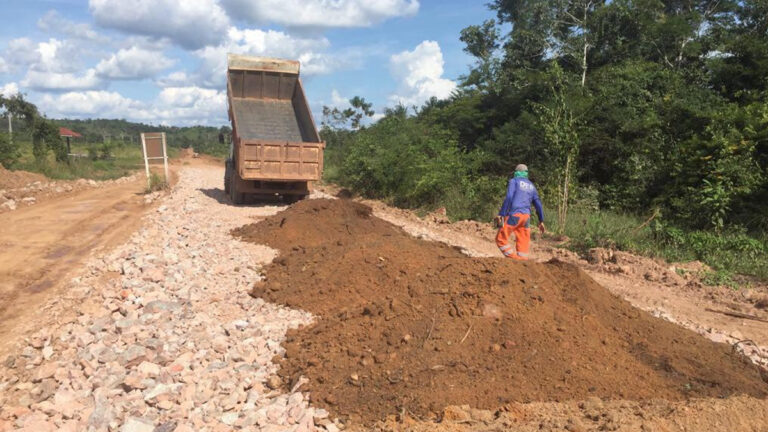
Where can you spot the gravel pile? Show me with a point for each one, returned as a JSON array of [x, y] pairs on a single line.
[[164, 336]]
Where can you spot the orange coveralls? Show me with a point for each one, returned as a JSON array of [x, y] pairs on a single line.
[[519, 225]]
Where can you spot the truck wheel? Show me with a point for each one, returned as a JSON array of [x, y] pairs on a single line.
[[227, 176], [234, 194]]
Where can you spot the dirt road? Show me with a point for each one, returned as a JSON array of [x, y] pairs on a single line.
[[154, 330], [159, 331], [42, 246]]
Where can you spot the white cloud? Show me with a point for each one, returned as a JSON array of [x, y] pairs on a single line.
[[22, 52], [9, 89], [192, 105], [192, 24], [320, 13], [60, 81], [53, 22], [53, 55], [175, 105], [419, 75], [338, 100], [4, 68], [311, 52], [133, 63], [92, 103]]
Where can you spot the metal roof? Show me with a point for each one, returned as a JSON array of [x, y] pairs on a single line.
[[68, 133]]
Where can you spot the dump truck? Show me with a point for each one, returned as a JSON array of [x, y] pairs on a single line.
[[275, 149]]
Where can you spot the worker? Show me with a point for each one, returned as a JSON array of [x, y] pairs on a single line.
[[515, 214]]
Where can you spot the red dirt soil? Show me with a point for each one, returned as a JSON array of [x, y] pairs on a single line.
[[16, 179], [410, 326]]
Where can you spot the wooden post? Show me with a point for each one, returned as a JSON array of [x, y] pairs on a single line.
[[165, 161], [146, 161]]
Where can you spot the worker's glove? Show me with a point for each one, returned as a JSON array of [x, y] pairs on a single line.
[[542, 228], [498, 221]]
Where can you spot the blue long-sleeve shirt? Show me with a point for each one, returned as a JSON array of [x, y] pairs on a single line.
[[520, 193]]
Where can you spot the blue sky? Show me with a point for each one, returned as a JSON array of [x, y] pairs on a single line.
[[163, 61]]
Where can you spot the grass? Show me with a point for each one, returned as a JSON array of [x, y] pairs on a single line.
[[156, 183], [123, 161], [729, 253]]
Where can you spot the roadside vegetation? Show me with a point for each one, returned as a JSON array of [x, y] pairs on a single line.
[[644, 124], [108, 149]]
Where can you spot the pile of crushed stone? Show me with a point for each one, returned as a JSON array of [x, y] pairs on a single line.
[[407, 326]]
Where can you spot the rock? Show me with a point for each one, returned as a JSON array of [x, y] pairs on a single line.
[[9, 205], [161, 389], [47, 352], [166, 427], [38, 426], [46, 371], [153, 275], [229, 418], [10, 362], [102, 414], [134, 424], [65, 402], [240, 324], [135, 381], [457, 413], [124, 325], [133, 355], [492, 311], [574, 425], [149, 369], [157, 306], [483, 416], [274, 382]]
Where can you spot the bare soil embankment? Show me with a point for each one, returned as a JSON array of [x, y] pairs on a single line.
[[410, 326]]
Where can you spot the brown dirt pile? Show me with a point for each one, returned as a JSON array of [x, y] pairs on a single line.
[[17, 179], [409, 326]]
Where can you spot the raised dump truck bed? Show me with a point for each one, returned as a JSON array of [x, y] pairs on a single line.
[[276, 149]]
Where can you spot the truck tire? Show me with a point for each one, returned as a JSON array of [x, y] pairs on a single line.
[[227, 176], [235, 195], [290, 199]]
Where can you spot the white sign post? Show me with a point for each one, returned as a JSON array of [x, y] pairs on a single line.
[[154, 147]]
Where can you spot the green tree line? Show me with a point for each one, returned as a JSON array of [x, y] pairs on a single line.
[[641, 107], [99, 136]]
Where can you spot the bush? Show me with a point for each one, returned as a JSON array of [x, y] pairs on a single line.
[[156, 183], [412, 164], [729, 252], [9, 151]]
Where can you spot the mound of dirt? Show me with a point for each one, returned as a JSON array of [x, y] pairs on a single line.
[[410, 326], [16, 179]]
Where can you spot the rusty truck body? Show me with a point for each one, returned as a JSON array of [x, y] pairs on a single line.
[[275, 149]]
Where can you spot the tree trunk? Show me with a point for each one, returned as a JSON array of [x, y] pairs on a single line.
[[584, 63], [586, 46], [562, 211]]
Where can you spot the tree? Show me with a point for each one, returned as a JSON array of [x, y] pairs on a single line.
[[45, 137], [15, 106], [546, 29], [559, 130], [481, 42], [9, 152], [351, 117]]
